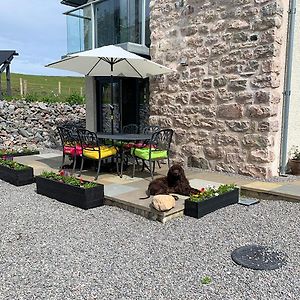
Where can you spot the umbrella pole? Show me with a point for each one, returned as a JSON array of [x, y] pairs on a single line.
[[112, 104], [112, 96]]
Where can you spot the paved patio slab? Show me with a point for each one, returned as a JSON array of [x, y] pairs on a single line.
[[126, 192]]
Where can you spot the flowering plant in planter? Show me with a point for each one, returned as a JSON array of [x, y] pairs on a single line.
[[12, 164], [65, 177], [210, 192], [294, 161], [15, 173], [210, 199], [295, 153], [69, 189], [18, 152]]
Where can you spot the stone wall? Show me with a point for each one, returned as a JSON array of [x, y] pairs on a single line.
[[224, 101], [34, 124]]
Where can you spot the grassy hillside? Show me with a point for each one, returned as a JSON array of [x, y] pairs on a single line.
[[45, 85]]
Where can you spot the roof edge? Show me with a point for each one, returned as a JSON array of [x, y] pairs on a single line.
[[74, 3]]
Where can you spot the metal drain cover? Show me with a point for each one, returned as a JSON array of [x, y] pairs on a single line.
[[258, 257]]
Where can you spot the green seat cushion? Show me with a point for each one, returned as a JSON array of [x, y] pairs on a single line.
[[144, 153]]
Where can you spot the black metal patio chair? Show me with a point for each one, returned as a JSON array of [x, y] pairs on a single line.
[[93, 149], [157, 149], [70, 144], [125, 146], [150, 129], [130, 128]]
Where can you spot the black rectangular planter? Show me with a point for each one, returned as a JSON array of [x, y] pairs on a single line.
[[26, 154], [73, 195], [17, 177], [199, 209]]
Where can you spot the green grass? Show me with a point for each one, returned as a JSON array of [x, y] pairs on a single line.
[[206, 280], [45, 85]]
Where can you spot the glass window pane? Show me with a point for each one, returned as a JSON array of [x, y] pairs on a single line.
[[116, 21], [124, 10], [79, 30], [105, 23], [147, 24], [134, 21], [119, 21]]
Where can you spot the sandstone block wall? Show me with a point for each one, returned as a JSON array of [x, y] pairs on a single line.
[[224, 102], [33, 125]]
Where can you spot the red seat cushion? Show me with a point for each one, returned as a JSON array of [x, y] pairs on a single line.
[[71, 150], [137, 145]]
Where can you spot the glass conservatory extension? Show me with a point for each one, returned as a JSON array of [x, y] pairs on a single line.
[[108, 22]]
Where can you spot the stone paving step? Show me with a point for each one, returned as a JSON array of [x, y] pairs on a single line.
[[125, 192]]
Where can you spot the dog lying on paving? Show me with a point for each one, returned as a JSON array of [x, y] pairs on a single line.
[[174, 183]]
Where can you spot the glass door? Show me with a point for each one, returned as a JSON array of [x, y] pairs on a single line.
[[108, 109], [130, 103], [130, 114]]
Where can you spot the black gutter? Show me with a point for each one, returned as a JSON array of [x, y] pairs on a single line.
[[74, 3]]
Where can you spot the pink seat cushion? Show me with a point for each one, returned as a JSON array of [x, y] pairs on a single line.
[[71, 150], [140, 145], [134, 145], [137, 145]]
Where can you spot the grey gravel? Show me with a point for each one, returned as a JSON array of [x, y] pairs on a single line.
[[49, 250]]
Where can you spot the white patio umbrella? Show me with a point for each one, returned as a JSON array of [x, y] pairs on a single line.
[[110, 61]]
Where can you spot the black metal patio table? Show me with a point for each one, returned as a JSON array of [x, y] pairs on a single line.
[[127, 137], [124, 136]]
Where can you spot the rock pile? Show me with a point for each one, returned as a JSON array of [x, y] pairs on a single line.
[[34, 124]]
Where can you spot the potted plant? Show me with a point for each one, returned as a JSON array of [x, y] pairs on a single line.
[[69, 189], [5, 153], [15, 173], [294, 161], [210, 199]]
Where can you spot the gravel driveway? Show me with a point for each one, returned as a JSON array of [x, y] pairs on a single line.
[[50, 250]]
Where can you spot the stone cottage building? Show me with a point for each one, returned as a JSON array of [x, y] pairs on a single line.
[[225, 97]]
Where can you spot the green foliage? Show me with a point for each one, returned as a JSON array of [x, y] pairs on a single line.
[[51, 98], [31, 97], [12, 164], [23, 151], [206, 280], [71, 180], [8, 98], [210, 192], [74, 99]]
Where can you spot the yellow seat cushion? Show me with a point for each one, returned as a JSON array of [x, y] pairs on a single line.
[[145, 152], [105, 151]]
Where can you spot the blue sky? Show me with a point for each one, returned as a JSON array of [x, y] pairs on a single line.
[[37, 30]]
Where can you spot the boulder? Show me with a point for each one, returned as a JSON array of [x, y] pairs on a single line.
[[163, 202]]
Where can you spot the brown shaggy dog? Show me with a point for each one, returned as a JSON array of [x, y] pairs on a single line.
[[175, 182]]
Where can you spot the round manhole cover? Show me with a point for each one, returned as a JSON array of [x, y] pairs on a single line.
[[258, 257]]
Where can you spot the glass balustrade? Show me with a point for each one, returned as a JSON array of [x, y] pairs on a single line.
[[108, 22], [79, 30]]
